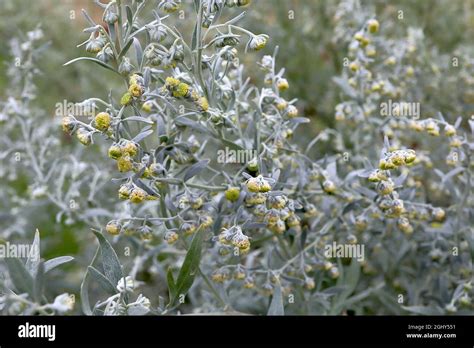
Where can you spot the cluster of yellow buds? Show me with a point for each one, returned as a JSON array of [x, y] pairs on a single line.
[[123, 153], [255, 199], [281, 215], [235, 237], [332, 269], [180, 89], [258, 184], [188, 228], [322, 176], [220, 275], [392, 207], [134, 193], [206, 221], [385, 187], [135, 90], [193, 201], [397, 158]]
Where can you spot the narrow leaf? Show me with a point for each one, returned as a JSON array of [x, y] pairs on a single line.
[[195, 169], [125, 49], [57, 261], [97, 61], [86, 307], [20, 276], [34, 257], [110, 261], [39, 282], [276, 306], [142, 135], [171, 283], [190, 266], [104, 283]]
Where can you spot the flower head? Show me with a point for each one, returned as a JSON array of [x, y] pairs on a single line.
[[257, 42]]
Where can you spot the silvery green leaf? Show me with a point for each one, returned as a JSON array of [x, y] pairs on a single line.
[[138, 51], [33, 259], [194, 36], [458, 122], [138, 119], [351, 206], [231, 145], [129, 14], [86, 307], [399, 180], [275, 193], [471, 124], [21, 278], [142, 135], [104, 283], [458, 292], [125, 49], [424, 310], [299, 120], [97, 61], [452, 173], [186, 122], [88, 18], [349, 279], [39, 282], [171, 283], [334, 290], [146, 188], [190, 266], [137, 309], [57, 261], [110, 261], [195, 169], [332, 170], [276, 305]]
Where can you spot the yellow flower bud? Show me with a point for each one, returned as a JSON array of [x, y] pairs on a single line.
[[137, 195], [135, 90], [124, 164], [171, 237], [232, 194], [126, 99], [449, 130], [181, 90], [115, 151], [373, 26], [282, 84], [130, 148], [102, 121], [203, 104], [113, 227]]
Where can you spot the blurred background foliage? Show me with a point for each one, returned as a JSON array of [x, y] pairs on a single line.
[[310, 50]]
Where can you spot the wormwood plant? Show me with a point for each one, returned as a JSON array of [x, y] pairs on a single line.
[[219, 232]]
